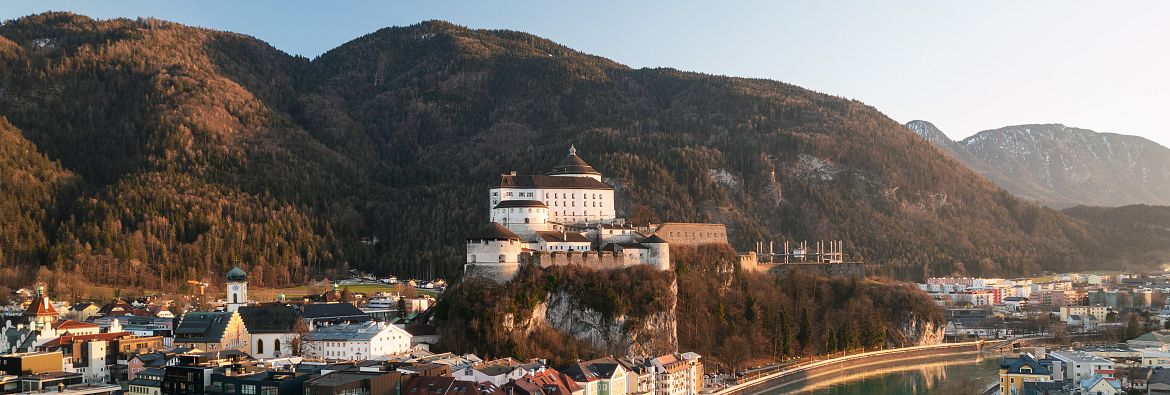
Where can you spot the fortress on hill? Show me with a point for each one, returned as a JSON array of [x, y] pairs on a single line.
[[568, 217]]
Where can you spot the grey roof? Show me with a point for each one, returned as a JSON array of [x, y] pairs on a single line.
[[551, 182], [1013, 365], [602, 368], [563, 237], [344, 332], [270, 319], [494, 231], [202, 327], [520, 203], [334, 311], [1159, 376], [653, 239], [146, 382], [156, 372], [573, 164]]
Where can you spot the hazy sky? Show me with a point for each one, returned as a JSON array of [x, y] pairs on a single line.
[[964, 65]]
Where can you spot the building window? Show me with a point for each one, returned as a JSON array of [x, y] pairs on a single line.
[[276, 347], [259, 346], [248, 389], [501, 257]]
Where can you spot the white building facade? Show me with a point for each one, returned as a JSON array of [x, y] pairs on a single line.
[[355, 342]]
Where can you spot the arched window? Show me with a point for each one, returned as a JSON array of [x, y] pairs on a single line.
[[471, 257], [259, 346], [501, 257], [276, 347]]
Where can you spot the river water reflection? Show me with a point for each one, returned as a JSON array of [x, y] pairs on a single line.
[[956, 374]]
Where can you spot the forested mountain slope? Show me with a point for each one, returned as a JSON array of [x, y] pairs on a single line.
[[181, 151]]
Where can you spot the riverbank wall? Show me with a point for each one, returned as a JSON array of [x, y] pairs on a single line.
[[812, 369]]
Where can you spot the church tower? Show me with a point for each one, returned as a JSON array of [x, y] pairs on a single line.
[[237, 289]]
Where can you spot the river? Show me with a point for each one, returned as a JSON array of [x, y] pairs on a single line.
[[956, 374]]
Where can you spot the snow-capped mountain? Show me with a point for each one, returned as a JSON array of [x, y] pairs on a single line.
[[1063, 166]]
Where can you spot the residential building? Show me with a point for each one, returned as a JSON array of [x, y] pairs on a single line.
[[353, 382], [187, 379], [545, 381], [257, 383], [606, 375], [212, 331], [1080, 365], [1014, 372], [358, 341], [31, 363], [1098, 312]]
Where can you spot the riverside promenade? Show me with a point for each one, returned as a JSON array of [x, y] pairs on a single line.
[[808, 370]]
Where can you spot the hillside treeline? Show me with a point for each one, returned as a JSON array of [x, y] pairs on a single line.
[[732, 316]]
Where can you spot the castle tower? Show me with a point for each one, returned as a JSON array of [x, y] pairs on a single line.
[[493, 252], [659, 255], [237, 289]]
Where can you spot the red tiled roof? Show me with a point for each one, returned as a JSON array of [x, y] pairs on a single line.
[[71, 324], [41, 308]]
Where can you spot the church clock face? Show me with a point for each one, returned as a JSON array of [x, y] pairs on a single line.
[[235, 287]]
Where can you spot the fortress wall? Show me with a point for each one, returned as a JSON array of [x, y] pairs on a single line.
[[602, 260], [692, 234]]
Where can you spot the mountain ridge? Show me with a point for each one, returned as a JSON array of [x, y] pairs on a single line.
[[1064, 166], [197, 150]]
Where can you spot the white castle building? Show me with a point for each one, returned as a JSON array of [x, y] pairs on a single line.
[[544, 219]]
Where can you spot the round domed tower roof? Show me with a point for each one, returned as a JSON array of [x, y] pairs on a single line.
[[237, 274], [573, 164]]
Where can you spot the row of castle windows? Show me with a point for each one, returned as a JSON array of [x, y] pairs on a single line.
[[554, 196], [696, 234]]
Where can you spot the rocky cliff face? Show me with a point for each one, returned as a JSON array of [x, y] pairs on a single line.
[[655, 334], [920, 332]]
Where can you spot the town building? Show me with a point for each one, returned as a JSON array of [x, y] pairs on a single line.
[[1080, 365], [355, 342], [212, 331], [602, 376], [1015, 372], [272, 329], [27, 363], [351, 382], [257, 383]]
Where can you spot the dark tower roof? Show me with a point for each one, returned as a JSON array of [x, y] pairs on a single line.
[[654, 239], [573, 164], [521, 203], [494, 231], [237, 275]]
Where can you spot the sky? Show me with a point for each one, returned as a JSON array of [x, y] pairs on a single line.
[[966, 66]]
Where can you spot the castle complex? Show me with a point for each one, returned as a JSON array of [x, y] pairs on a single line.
[[566, 217]]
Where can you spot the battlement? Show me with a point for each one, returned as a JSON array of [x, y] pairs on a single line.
[[600, 260]]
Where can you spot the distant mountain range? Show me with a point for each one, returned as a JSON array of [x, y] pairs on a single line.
[[1062, 166]]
